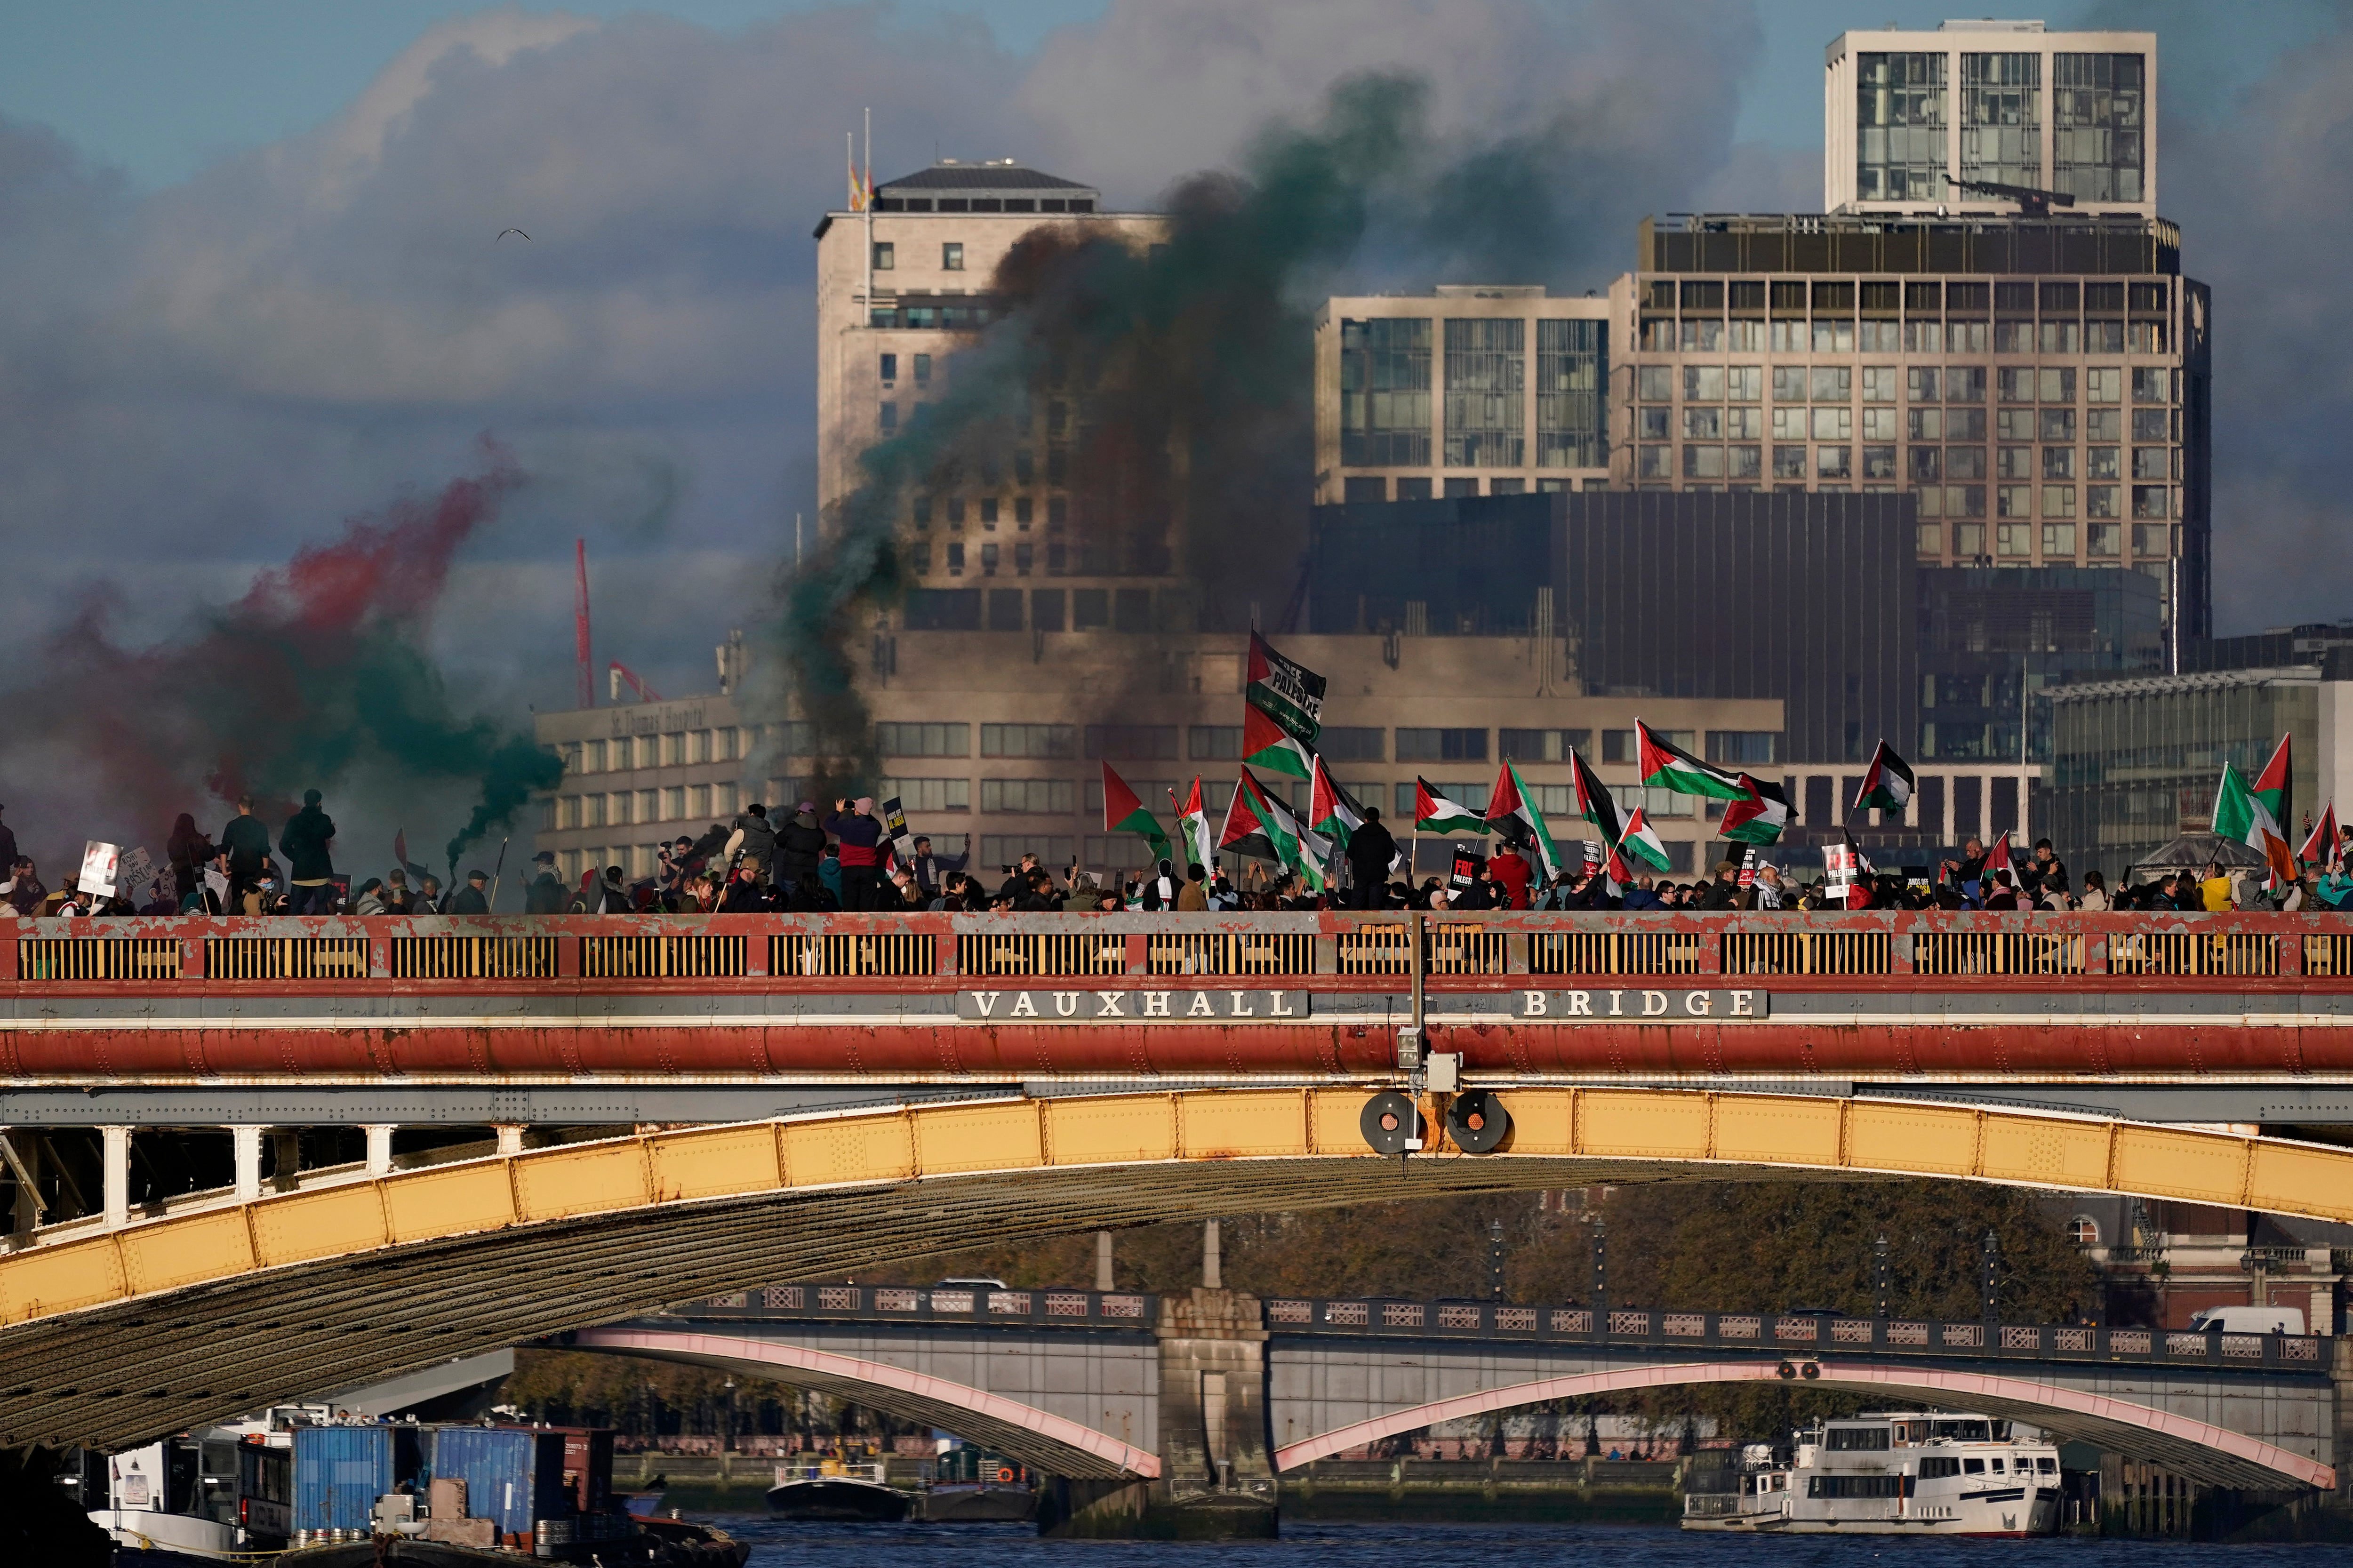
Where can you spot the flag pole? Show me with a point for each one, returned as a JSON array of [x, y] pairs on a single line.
[[866, 201]]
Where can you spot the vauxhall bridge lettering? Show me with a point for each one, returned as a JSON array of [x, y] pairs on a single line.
[[1136, 1006]]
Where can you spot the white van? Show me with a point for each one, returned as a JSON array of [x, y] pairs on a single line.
[[2249, 1321]]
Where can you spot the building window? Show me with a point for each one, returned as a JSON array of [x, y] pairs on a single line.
[[929, 794], [988, 512], [955, 558], [890, 421], [1789, 462], [2013, 539], [1900, 127], [1655, 382], [2152, 385], [1486, 381], [889, 369], [2002, 119], [1384, 393], [1654, 463], [2149, 500], [1036, 797], [1833, 424], [989, 559], [2059, 500], [1132, 741], [886, 256], [1878, 462], [1572, 372], [1541, 745], [2103, 500], [2103, 539], [1028, 741], [952, 256], [1442, 745], [2083, 1230], [1021, 511], [923, 370], [1830, 383], [2096, 122], [2058, 542], [1742, 747], [908, 739], [1832, 462], [1702, 462], [1214, 742], [1930, 540], [1879, 424], [1744, 462], [1968, 541]]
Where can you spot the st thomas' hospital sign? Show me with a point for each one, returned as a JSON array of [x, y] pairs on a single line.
[[1202, 1006]]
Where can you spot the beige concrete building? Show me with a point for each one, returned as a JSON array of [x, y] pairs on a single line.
[[1909, 113], [997, 745], [902, 291], [1470, 390]]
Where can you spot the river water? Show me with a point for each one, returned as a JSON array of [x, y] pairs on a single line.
[[1315, 1544]]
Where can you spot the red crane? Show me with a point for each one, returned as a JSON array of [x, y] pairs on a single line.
[[619, 675]]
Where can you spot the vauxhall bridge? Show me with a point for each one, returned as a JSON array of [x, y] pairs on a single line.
[[668, 1110]]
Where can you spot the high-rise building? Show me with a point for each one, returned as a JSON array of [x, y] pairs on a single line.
[[902, 291], [1913, 120], [2039, 380], [1466, 391]]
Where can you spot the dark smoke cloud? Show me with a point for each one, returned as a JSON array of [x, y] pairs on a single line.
[[1195, 357], [316, 676]]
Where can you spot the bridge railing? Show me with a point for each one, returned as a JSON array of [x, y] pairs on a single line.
[[930, 951], [1798, 1336], [997, 1306]]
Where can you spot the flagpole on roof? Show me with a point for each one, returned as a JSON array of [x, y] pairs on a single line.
[[866, 200]]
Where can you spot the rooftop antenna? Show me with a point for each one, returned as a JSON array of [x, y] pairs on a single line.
[[580, 623]]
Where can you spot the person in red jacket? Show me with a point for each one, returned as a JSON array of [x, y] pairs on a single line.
[[862, 852], [1511, 874]]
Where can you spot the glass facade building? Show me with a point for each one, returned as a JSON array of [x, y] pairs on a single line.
[[2137, 762], [1910, 115], [1462, 391]]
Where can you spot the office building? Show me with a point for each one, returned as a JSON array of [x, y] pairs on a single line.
[[2041, 386], [1467, 391], [901, 292], [990, 751], [1910, 116], [2138, 762]]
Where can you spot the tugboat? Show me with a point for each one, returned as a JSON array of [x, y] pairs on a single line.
[[836, 1490], [977, 1488], [218, 1495], [1886, 1473]]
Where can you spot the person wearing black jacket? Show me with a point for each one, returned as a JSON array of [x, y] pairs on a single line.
[[1370, 849], [310, 869], [470, 899], [546, 895], [247, 839], [1724, 893], [800, 844]]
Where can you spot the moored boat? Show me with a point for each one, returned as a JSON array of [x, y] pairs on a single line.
[[838, 1491], [1884, 1473]]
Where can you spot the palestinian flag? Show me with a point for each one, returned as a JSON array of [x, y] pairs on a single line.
[[1998, 858], [1267, 744], [1290, 694], [1513, 817], [1122, 813], [2241, 816], [2271, 788], [1640, 842], [1331, 810], [1193, 828], [1263, 828], [1760, 816], [1676, 771], [2320, 844], [1433, 813], [1594, 801], [1887, 783]]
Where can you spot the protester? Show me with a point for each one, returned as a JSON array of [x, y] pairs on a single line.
[[429, 896], [861, 850], [1371, 849], [470, 899], [370, 900], [23, 890], [304, 840], [545, 894]]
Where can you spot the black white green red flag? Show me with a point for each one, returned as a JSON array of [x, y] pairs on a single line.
[[1516, 820], [1760, 815], [1266, 744], [1124, 813], [1667, 766], [1642, 843], [1886, 784], [2320, 844], [1263, 828], [2271, 787], [1332, 811], [1434, 812], [1289, 694], [1193, 828], [1594, 801], [2241, 816]]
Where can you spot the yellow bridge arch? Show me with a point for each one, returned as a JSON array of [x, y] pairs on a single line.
[[109, 1339]]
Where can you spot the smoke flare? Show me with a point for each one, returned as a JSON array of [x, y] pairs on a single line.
[[315, 676]]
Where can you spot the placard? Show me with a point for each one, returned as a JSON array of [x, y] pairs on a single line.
[[99, 864]]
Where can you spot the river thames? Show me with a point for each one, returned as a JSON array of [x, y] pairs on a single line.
[[1317, 1544]]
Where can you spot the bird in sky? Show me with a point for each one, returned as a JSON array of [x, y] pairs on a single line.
[[505, 232]]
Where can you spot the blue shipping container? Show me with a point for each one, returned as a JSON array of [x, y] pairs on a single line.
[[340, 1471], [513, 1475]]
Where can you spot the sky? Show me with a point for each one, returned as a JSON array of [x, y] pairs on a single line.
[[250, 288]]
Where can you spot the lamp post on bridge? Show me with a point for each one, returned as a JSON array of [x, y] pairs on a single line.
[[1495, 1259], [1992, 1270], [1879, 1267], [1601, 1275]]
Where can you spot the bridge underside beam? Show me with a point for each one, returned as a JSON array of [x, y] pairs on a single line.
[[1038, 1439], [2185, 1446], [110, 1377]]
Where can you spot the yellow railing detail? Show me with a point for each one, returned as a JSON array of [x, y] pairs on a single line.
[[131, 958]]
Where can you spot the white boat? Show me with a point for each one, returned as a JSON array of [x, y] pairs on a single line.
[[216, 1496], [1886, 1473]]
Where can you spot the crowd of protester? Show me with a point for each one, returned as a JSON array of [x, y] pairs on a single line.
[[846, 859]]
